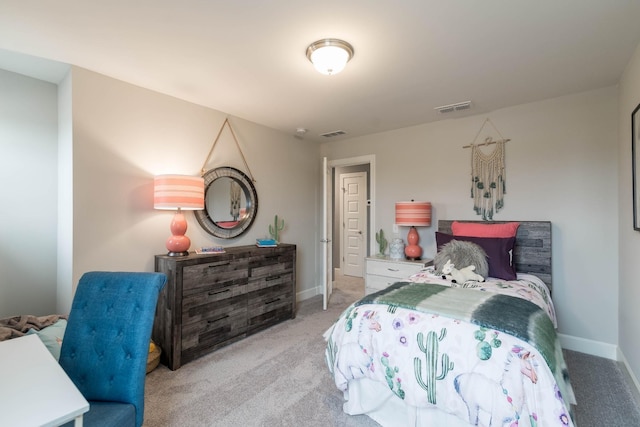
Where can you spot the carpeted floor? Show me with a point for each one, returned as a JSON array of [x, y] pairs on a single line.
[[604, 392], [279, 378]]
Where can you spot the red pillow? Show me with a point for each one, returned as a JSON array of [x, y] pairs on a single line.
[[474, 229], [499, 253]]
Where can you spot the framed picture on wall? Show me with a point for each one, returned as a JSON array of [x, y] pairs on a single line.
[[635, 165]]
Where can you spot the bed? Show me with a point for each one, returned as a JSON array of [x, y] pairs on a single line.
[[429, 352]]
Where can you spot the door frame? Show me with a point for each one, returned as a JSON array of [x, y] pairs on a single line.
[[352, 161]]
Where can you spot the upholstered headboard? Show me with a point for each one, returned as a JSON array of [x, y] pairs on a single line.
[[532, 252]]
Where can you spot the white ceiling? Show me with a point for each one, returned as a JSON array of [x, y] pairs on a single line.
[[247, 57]]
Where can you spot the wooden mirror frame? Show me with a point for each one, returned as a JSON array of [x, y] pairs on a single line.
[[205, 218]]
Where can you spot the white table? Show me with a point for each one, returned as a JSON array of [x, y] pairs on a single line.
[[34, 389]]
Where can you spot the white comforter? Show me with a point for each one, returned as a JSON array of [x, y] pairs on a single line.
[[387, 356]]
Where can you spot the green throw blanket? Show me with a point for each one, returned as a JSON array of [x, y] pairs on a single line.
[[514, 316]]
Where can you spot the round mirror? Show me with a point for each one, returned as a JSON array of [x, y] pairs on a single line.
[[230, 203]]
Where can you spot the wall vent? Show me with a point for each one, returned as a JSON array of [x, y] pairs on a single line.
[[333, 134], [454, 107]]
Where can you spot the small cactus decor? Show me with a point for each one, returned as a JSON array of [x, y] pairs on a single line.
[[395, 384], [485, 348], [382, 242], [430, 349], [276, 228]]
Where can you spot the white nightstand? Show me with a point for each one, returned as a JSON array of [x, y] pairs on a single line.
[[381, 272]]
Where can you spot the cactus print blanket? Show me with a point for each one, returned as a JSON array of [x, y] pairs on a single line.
[[488, 358]]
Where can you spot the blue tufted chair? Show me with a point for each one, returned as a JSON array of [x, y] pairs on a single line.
[[106, 344]]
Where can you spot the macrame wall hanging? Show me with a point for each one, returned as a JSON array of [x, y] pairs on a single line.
[[488, 179]]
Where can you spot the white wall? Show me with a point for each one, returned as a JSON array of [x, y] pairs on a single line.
[[123, 135], [113, 138], [64, 282], [629, 318], [561, 166], [28, 127]]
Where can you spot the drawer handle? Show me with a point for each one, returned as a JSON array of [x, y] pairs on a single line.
[[272, 278], [218, 319], [393, 269], [218, 292], [272, 301], [218, 265]]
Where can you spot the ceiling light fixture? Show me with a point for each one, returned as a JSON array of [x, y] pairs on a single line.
[[329, 56]]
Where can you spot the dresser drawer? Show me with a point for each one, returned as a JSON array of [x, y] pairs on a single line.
[[209, 324], [201, 339], [204, 305], [213, 275], [271, 264], [392, 269], [271, 280], [268, 306]]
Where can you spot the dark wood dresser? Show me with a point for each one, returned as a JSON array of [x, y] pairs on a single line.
[[210, 301]]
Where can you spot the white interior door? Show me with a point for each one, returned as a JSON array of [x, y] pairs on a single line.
[[327, 252], [354, 222]]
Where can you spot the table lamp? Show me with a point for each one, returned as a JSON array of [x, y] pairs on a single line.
[[413, 214], [178, 192]]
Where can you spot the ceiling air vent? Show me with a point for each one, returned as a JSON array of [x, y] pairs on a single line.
[[454, 107], [333, 134]]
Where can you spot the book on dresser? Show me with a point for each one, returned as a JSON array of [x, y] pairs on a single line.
[[214, 300]]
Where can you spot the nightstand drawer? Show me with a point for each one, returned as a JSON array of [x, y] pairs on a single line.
[[381, 273], [393, 269], [376, 283]]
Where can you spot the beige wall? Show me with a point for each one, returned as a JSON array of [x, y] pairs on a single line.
[[64, 282], [109, 141], [561, 166], [123, 135], [28, 143], [629, 265]]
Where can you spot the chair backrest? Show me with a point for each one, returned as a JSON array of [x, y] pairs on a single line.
[[106, 342]]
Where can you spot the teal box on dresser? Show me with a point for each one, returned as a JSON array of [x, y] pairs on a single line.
[[212, 300]]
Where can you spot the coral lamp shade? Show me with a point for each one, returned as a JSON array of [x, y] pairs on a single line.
[[178, 192], [417, 214]]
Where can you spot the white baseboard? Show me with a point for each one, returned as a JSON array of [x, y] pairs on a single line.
[[308, 293], [629, 372], [594, 348]]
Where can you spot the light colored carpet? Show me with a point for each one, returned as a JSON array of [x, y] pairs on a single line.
[[279, 378], [603, 390]]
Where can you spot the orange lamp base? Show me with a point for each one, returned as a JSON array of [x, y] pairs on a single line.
[[413, 250], [178, 244]]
